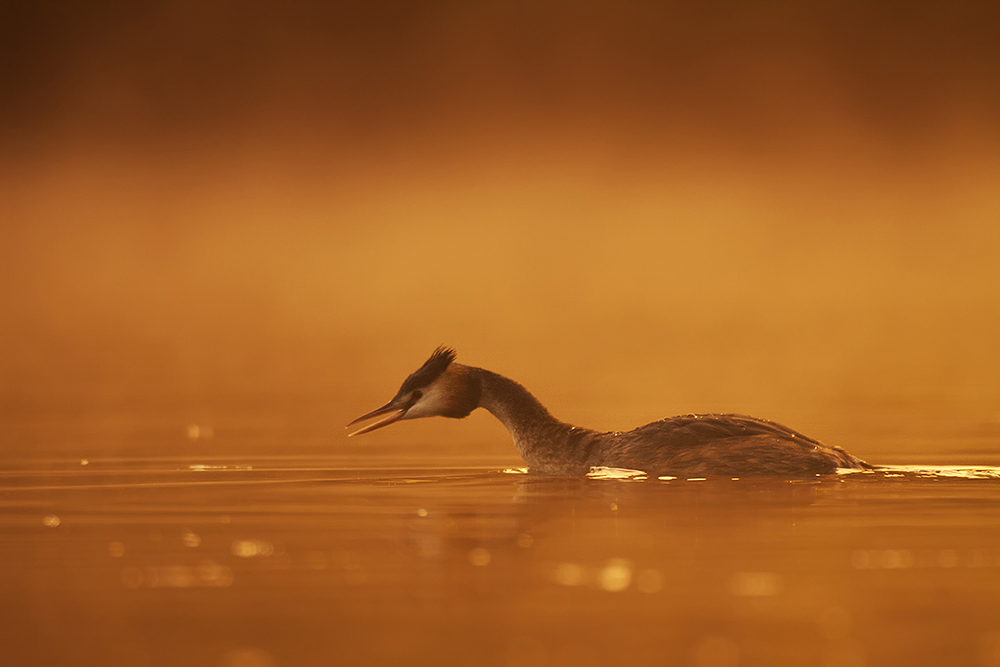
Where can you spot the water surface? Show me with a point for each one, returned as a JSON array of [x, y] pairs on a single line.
[[264, 561]]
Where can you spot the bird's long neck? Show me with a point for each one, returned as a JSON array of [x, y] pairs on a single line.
[[543, 441]]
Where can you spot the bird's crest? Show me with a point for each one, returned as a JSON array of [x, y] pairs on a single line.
[[430, 371]]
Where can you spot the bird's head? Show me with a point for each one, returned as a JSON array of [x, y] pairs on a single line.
[[439, 388]]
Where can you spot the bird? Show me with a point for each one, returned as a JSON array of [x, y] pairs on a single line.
[[686, 446]]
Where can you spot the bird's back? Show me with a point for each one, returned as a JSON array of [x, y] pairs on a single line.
[[731, 445]]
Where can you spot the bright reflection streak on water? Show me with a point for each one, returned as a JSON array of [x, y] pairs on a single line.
[[284, 561]]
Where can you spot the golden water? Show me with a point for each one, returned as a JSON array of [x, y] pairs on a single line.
[[314, 560]]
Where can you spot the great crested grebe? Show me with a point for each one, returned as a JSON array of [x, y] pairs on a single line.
[[685, 446]]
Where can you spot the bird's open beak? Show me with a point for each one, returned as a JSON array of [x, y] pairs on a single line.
[[394, 408]]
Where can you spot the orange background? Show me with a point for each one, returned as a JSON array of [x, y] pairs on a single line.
[[636, 209]]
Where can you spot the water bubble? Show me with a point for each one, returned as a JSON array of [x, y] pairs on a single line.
[[195, 432], [51, 521], [480, 557], [429, 545], [616, 575], [116, 549], [251, 548], [896, 558], [524, 540], [421, 512], [211, 573], [190, 539], [244, 548]]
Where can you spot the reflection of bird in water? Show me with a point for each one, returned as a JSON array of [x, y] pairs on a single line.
[[686, 446]]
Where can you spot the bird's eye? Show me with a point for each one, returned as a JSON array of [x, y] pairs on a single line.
[[416, 396]]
